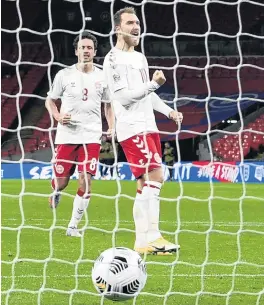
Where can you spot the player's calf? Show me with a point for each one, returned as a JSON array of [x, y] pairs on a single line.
[[80, 204], [54, 200], [57, 185]]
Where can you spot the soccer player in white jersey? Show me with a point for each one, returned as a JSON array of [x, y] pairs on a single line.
[[82, 89], [133, 98]]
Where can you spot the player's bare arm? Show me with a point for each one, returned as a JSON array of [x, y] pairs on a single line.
[[110, 118], [62, 118]]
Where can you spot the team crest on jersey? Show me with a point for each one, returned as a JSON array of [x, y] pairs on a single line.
[[59, 168], [98, 85], [116, 77], [73, 85], [99, 88]]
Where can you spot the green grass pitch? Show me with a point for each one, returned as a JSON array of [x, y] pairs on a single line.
[[221, 260]]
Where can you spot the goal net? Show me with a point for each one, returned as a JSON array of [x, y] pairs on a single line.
[[211, 54]]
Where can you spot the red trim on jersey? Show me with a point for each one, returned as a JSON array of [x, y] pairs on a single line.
[[139, 191]]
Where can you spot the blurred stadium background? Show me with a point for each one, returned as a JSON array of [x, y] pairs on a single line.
[[188, 81]]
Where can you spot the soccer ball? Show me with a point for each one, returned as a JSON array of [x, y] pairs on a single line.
[[119, 274]]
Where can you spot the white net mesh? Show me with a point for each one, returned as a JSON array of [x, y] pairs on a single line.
[[219, 226]]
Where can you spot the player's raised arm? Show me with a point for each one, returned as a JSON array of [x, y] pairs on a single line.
[[159, 105], [127, 96], [53, 95], [119, 85]]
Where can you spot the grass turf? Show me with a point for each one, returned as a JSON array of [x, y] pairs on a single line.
[[221, 260]]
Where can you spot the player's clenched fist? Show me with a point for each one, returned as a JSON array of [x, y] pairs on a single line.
[[176, 116], [64, 119], [159, 77]]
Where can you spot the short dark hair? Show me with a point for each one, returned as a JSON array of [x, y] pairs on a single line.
[[85, 35], [118, 14]]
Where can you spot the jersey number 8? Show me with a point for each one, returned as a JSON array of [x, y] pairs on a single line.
[[85, 94]]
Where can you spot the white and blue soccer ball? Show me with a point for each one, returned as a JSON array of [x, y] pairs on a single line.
[[119, 274]]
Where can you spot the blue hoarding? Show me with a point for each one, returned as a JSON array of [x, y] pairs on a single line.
[[232, 172]]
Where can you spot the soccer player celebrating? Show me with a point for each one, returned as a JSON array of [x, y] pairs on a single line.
[[133, 98], [82, 89]]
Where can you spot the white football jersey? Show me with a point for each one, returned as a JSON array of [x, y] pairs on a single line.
[[129, 70], [81, 96]]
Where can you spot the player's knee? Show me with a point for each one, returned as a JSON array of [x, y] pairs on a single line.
[[85, 182], [156, 175], [160, 178]]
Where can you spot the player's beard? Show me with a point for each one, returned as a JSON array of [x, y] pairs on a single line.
[[86, 63], [131, 41], [86, 60]]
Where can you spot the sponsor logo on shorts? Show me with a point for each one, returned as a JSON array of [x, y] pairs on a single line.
[[59, 168], [157, 158]]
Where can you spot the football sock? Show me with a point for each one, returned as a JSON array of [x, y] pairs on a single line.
[[140, 213], [80, 204], [151, 191]]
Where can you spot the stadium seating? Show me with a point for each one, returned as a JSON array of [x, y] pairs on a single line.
[[30, 76], [10, 9], [227, 148], [192, 18], [41, 139], [187, 67], [194, 67]]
